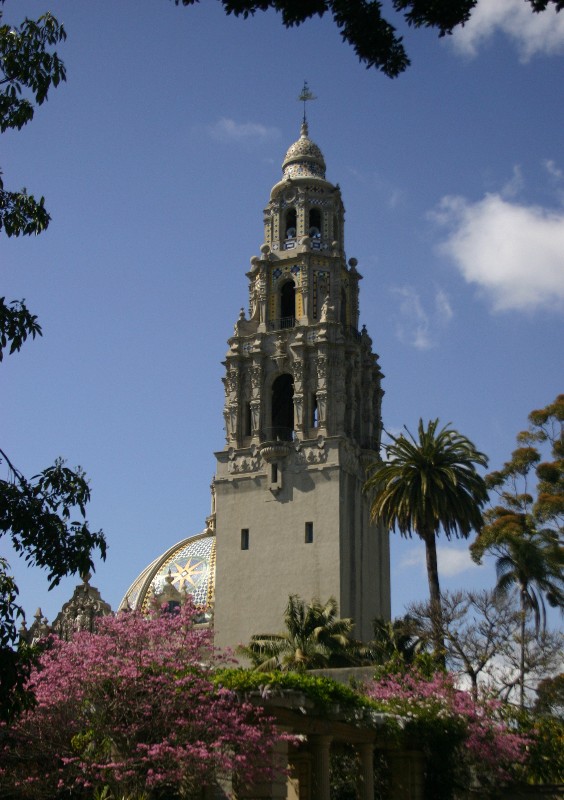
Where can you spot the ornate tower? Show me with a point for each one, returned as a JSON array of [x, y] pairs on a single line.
[[302, 419]]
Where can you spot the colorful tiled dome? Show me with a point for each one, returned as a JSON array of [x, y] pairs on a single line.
[[187, 567], [304, 159]]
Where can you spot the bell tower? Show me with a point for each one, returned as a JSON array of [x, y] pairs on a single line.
[[302, 421]]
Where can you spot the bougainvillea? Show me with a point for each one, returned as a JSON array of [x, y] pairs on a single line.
[[464, 740], [132, 707]]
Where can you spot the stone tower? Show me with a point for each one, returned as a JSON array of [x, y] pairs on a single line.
[[302, 420]]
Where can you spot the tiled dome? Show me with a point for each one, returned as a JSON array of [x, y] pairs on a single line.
[[187, 567], [304, 159]]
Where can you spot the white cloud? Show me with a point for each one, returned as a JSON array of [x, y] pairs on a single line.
[[416, 558], [227, 130], [394, 196], [532, 33], [442, 305], [414, 325], [556, 177], [451, 561], [513, 253]]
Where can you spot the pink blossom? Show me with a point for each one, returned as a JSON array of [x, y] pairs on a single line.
[[133, 704], [490, 747]]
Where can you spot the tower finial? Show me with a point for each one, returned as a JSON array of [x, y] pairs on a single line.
[[305, 95]]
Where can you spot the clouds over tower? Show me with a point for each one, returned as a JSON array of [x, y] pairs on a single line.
[[532, 34], [513, 253]]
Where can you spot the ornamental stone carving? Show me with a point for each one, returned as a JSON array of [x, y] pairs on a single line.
[[246, 462], [298, 370], [321, 365], [351, 462], [232, 381], [275, 451], [256, 377], [81, 611], [311, 454]]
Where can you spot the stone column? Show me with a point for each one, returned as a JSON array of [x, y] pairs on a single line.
[[321, 749], [277, 787], [406, 774], [366, 777]]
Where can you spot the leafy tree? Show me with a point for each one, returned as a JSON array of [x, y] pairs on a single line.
[[315, 638], [28, 69], [533, 563], [397, 640], [44, 516], [550, 696], [545, 734], [426, 484], [477, 629], [463, 740], [45, 520], [524, 532], [133, 707], [363, 26], [481, 633]]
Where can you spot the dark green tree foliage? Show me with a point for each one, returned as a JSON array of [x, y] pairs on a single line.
[[45, 516], [550, 697], [395, 641], [45, 520], [425, 485], [362, 25], [16, 324], [28, 69]]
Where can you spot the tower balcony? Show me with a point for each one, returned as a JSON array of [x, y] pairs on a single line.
[[277, 444], [282, 324], [278, 433]]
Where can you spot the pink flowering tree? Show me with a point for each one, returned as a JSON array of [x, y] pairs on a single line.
[[465, 741], [132, 708]]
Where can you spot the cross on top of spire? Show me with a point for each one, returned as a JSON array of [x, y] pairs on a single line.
[[305, 95]]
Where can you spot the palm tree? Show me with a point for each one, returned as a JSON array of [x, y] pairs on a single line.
[[530, 560], [425, 485], [397, 640], [315, 638]]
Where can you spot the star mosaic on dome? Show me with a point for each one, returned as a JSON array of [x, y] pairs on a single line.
[[190, 570]]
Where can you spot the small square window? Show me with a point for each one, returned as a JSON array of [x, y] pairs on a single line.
[[309, 532], [244, 538]]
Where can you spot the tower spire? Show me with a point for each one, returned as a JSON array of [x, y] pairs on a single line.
[[305, 95]]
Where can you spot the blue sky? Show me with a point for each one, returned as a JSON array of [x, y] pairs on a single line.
[[156, 159]]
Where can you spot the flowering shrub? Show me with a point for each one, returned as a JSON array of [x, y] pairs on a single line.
[[132, 707], [463, 740], [324, 692]]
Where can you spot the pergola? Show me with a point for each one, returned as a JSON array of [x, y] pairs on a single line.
[[302, 764]]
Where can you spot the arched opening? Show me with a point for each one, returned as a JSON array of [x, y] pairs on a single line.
[[283, 407], [314, 420], [247, 422], [288, 304], [290, 227], [314, 229]]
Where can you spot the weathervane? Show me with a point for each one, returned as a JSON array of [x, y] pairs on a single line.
[[306, 94]]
